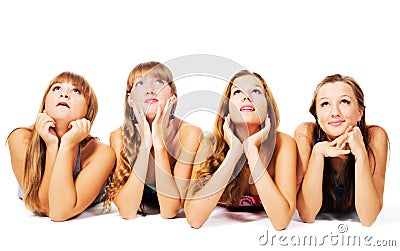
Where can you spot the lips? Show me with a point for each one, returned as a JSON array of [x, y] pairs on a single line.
[[151, 100], [64, 104], [336, 122], [247, 108]]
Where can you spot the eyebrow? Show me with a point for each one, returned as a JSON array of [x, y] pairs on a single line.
[[341, 96]]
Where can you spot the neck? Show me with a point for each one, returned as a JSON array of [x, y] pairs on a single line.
[[243, 131], [61, 128]]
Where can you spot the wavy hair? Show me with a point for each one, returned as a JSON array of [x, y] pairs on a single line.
[[35, 158], [130, 136], [236, 188]]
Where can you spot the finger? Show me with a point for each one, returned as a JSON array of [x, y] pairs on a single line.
[[158, 114], [338, 141], [349, 129], [86, 124]]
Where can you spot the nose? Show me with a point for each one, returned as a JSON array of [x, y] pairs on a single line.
[[150, 90], [335, 112], [64, 95], [246, 97]]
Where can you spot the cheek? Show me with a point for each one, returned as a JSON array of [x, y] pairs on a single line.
[[48, 101], [321, 114], [234, 111], [261, 108], [83, 107]]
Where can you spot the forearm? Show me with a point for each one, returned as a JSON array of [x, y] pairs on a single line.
[[368, 203], [280, 209], [168, 193], [62, 191], [51, 154], [309, 197], [130, 196], [200, 204]]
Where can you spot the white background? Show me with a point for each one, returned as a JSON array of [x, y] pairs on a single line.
[[292, 44]]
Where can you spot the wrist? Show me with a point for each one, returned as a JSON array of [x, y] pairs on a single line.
[[318, 149], [65, 144]]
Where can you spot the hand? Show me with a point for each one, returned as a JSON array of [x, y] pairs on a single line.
[[45, 126], [336, 148], [162, 126], [229, 137], [142, 126], [355, 142], [78, 130], [255, 140]]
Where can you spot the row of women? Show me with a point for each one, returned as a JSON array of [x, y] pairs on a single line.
[[158, 162]]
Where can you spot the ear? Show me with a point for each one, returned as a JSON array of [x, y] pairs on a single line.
[[129, 100], [360, 113]]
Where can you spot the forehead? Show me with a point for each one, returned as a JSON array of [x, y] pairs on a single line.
[[66, 85], [246, 81], [335, 89], [153, 74]]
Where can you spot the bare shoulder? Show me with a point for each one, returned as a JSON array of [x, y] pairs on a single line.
[[205, 149], [284, 140], [378, 136], [376, 131], [115, 137], [304, 129], [189, 132], [20, 135], [97, 151]]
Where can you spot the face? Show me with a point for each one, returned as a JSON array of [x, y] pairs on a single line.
[[65, 101], [149, 92], [248, 103], [337, 108]]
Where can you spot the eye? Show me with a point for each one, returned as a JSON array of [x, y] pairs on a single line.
[[56, 88], [257, 91], [237, 91], [139, 83], [323, 104], [345, 101], [160, 82], [76, 91]]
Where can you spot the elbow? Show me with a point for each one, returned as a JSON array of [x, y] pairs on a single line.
[[127, 213], [367, 222], [368, 217], [194, 222], [306, 217], [168, 214], [58, 216], [282, 222], [279, 226]]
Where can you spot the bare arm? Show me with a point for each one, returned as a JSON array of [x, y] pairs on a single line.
[[129, 197], [369, 179], [69, 197], [172, 186], [199, 205], [309, 197], [278, 196]]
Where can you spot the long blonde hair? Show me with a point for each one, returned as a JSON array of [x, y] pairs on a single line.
[[236, 188], [36, 152], [130, 136]]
